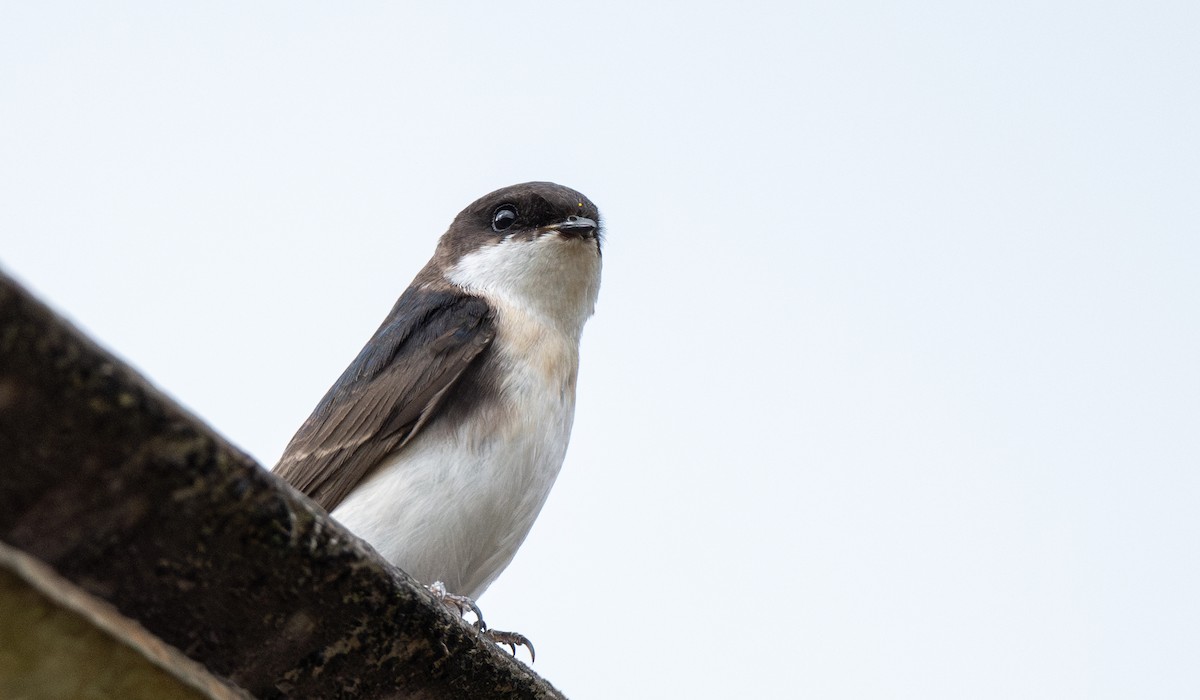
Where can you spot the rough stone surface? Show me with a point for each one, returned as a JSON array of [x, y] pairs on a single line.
[[137, 502], [59, 643]]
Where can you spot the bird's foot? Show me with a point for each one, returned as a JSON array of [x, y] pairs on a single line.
[[461, 603], [511, 640]]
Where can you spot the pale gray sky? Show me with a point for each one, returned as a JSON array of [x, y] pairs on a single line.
[[894, 385]]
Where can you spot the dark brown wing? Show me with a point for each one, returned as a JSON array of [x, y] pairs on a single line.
[[387, 393]]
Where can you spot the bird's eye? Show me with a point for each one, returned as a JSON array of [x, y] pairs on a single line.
[[504, 217]]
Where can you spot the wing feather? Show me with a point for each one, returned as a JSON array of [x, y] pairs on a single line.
[[388, 393]]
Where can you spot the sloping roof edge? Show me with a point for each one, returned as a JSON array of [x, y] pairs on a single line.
[[123, 493]]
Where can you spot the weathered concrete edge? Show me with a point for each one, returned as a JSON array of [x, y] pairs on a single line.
[[105, 617], [97, 463]]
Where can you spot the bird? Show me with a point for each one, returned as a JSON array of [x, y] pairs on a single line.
[[440, 442]]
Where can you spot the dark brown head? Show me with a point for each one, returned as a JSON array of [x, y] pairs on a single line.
[[535, 245], [524, 211]]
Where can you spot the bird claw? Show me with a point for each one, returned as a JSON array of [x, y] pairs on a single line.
[[461, 603], [511, 640]]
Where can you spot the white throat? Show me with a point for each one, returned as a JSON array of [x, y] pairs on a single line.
[[553, 277]]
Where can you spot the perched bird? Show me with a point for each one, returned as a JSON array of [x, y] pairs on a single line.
[[439, 443]]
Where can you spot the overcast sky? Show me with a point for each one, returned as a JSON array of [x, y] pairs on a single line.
[[893, 389]]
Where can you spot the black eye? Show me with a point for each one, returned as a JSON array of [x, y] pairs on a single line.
[[504, 217]]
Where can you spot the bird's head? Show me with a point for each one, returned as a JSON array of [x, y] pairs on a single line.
[[535, 245]]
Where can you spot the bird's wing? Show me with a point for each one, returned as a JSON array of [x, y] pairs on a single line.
[[387, 394]]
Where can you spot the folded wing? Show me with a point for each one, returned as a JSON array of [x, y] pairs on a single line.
[[388, 393]]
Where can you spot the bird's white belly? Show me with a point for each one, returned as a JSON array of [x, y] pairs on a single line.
[[455, 503]]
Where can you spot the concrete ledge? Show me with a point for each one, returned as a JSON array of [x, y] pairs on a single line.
[[59, 643], [139, 504]]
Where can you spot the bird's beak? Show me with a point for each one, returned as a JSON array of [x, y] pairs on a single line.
[[576, 226]]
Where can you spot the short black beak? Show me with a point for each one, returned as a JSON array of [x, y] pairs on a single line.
[[576, 225]]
